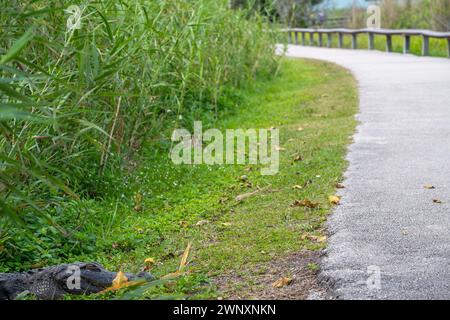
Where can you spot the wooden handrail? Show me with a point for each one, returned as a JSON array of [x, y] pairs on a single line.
[[407, 34]]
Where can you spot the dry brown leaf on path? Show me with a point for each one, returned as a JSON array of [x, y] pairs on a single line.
[[339, 186], [429, 186], [283, 281], [437, 201]]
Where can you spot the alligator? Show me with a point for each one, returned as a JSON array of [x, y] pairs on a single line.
[[54, 282]]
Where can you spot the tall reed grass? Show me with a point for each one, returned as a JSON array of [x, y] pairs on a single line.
[[78, 104]]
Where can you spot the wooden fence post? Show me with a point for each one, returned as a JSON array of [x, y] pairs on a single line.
[[371, 41], [320, 39], [388, 43], [296, 37], [407, 44], [303, 39], [425, 45], [330, 40], [448, 46], [311, 39], [340, 40], [354, 41]]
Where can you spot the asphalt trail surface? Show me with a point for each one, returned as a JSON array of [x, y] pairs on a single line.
[[388, 221]]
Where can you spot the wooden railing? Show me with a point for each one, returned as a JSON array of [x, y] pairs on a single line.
[[388, 33]]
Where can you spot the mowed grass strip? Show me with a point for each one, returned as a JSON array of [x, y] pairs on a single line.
[[313, 104]]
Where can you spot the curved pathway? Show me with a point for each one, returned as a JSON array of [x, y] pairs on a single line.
[[388, 221]]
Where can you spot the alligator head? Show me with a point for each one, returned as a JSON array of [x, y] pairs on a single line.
[[53, 282]]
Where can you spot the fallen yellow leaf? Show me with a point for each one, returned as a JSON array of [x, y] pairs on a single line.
[[283, 281], [429, 186], [149, 261], [334, 200], [127, 284], [119, 280]]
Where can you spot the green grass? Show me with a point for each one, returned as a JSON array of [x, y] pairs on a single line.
[[438, 47], [320, 98]]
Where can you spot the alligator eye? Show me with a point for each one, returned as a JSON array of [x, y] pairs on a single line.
[[92, 267]]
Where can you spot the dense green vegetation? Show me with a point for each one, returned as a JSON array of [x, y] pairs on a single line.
[[78, 106]]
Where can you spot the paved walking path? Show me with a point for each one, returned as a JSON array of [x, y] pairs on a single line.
[[387, 218]]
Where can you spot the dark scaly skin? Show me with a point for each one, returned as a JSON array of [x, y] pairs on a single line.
[[51, 283]]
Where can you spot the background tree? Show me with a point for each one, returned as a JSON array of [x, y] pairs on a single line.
[[294, 13]]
